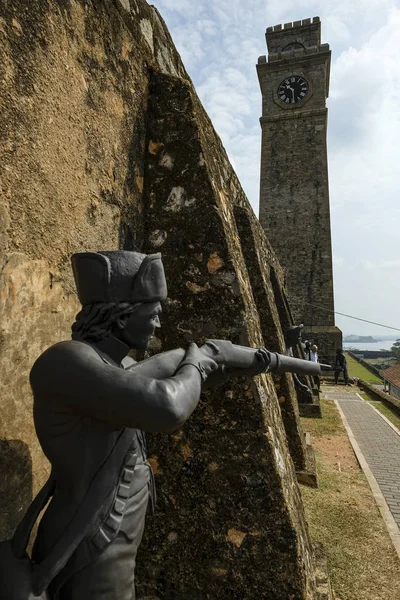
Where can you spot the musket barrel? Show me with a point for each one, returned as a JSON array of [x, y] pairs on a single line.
[[287, 364], [165, 364]]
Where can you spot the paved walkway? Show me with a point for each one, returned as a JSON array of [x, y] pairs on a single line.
[[377, 440]]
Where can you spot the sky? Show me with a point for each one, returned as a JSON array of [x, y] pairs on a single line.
[[220, 42]]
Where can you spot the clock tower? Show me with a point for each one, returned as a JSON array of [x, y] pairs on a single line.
[[294, 191]]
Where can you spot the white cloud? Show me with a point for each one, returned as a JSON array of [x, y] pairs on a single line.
[[364, 134], [382, 264], [208, 27], [338, 261]]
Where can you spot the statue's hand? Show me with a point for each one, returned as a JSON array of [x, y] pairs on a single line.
[[235, 357], [237, 360], [264, 359], [212, 350], [203, 363], [260, 364]]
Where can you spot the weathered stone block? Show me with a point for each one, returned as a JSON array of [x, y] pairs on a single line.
[[305, 33], [261, 261], [230, 521], [74, 95], [15, 484]]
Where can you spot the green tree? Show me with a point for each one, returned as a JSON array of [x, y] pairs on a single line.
[[396, 350]]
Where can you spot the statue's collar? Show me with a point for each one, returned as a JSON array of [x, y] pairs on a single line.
[[113, 348]]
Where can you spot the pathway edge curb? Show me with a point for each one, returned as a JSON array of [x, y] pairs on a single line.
[[380, 414], [387, 516]]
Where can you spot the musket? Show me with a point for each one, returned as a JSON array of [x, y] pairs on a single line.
[[232, 357]]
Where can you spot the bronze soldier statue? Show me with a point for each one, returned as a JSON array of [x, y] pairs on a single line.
[[91, 405], [85, 400]]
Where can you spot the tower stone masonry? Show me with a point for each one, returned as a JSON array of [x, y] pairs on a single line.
[[294, 188]]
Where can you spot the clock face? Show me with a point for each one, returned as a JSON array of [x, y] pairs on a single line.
[[293, 89]]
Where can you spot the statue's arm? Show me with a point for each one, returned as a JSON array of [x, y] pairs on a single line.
[[72, 375], [233, 361]]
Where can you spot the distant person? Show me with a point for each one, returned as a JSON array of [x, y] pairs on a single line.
[[307, 350], [341, 366], [314, 358], [293, 339]]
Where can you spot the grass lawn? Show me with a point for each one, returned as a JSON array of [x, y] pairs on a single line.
[[357, 370], [342, 514]]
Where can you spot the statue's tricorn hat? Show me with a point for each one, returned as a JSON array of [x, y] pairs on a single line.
[[119, 276]]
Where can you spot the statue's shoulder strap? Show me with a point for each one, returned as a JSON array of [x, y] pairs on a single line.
[[22, 533], [102, 484]]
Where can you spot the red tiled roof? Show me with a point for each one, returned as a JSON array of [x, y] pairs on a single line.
[[392, 374]]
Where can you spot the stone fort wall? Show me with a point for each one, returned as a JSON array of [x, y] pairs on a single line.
[[99, 122], [74, 95]]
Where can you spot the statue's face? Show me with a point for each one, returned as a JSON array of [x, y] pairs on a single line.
[[141, 325]]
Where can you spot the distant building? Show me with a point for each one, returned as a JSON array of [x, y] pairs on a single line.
[[391, 380]]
